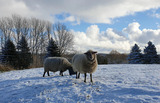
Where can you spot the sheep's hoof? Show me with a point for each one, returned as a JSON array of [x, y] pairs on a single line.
[[92, 83]]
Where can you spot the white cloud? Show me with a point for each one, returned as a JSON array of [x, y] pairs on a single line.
[[112, 35], [92, 32], [108, 40], [70, 18], [133, 31], [73, 19], [10, 7], [141, 36], [103, 42], [92, 11]]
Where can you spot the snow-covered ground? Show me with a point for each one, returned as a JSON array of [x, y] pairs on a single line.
[[112, 84]]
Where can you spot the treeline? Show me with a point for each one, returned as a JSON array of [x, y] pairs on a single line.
[[136, 56], [114, 57], [37, 34], [19, 58]]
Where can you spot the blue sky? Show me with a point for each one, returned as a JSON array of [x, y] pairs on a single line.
[[147, 19], [101, 25]]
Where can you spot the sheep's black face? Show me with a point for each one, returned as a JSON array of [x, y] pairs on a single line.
[[90, 55], [71, 72]]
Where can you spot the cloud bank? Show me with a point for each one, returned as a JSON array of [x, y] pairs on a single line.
[[91, 11], [110, 39]]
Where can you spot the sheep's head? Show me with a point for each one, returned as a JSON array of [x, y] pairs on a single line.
[[91, 55], [71, 72]]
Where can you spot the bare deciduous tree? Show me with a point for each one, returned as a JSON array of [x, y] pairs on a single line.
[[5, 29], [115, 57], [49, 29], [63, 37], [26, 27], [17, 26]]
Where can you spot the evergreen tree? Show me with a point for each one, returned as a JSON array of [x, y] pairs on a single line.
[[135, 57], [52, 49], [9, 54], [24, 55], [150, 54]]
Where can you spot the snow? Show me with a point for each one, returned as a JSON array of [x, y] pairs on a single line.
[[125, 83]]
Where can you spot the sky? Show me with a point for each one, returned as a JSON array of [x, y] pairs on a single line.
[[101, 25]]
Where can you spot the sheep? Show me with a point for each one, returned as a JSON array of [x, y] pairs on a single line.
[[55, 64], [85, 63]]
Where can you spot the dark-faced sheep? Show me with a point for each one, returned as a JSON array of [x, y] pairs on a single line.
[[55, 64], [85, 63]]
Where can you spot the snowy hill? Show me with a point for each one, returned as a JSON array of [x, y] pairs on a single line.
[[112, 84]]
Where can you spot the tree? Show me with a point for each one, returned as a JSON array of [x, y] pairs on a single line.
[[52, 49], [24, 55], [150, 54], [9, 54], [102, 59], [5, 29], [17, 26], [114, 57], [63, 38], [135, 56]]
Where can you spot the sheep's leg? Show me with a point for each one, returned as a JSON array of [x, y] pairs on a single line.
[[48, 73], [61, 73], [85, 74], [44, 73], [78, 75], [91, 77]]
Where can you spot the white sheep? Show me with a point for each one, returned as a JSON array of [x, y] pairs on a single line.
[[85, 63], [55, 64]]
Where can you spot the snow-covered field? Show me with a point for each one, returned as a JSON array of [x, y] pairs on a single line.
[[112, 84]]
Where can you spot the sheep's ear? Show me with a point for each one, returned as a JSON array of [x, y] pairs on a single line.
[[94, 52], [86, 53]]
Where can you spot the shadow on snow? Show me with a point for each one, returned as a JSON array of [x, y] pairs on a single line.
[[67, 89]]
